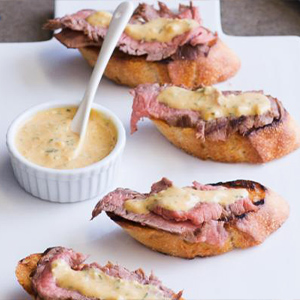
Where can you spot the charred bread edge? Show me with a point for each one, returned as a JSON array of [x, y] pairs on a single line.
[[26, 268], [259, 146], [272, 214], [220, 64]]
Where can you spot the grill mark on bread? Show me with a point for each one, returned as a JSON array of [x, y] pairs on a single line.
[[240, 183], [260, 202], [241, 216]]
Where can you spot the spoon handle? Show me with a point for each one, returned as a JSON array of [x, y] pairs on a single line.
[[116, 27]]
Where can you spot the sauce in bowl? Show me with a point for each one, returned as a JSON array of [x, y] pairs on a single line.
[[47, 140]]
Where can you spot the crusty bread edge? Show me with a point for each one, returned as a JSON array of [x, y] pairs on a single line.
[[259, 226], [25, 268], [220, 64], [261, 145]]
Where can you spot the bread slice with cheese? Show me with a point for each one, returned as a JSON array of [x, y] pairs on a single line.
[[60, 273], [158, 46], [201, 220], [225, 126]]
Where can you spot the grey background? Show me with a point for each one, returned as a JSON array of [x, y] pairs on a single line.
[[22, 20]]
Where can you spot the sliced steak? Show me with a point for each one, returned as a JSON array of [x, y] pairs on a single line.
[[204, 222], [145, 104], [161, 185], [45, 286], [74, 39], [203, 212], [146, 12], [241, 207], [154, 51]]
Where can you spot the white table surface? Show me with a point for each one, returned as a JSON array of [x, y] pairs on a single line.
[[31, 73]]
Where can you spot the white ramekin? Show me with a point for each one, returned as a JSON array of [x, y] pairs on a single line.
[[65, 186]]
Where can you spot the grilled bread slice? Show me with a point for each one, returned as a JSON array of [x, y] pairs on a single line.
[[247, 224], [36, 267], [259, 146], [195, 57], [256, 138], [220, 64]]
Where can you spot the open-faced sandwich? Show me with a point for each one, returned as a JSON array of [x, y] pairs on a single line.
[[224, 126], [158, 46], [200, 220], [61, 274]]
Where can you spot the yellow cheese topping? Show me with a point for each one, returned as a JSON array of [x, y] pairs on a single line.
[[184, 199], [211, 103], [47, 140], [156, 30], [94, 283]]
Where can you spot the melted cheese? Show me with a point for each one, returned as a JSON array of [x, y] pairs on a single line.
[[94, 283], [184, 199], [211, 103], [47, 140], [157, 30]]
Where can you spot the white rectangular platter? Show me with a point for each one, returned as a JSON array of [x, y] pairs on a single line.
[[31, 73]]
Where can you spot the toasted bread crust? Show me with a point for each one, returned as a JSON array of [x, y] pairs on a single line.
[[261, 145], [240, 235], [25, 268], [220, 64]]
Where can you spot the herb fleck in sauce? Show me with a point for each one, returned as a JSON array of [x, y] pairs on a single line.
[[96, 284], [156, 30], [212, 104], [47, 140]]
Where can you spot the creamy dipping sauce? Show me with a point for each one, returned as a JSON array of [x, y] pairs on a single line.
[[156, 30], [184, 199], [94, 283], [47, 140], [212, 104]]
